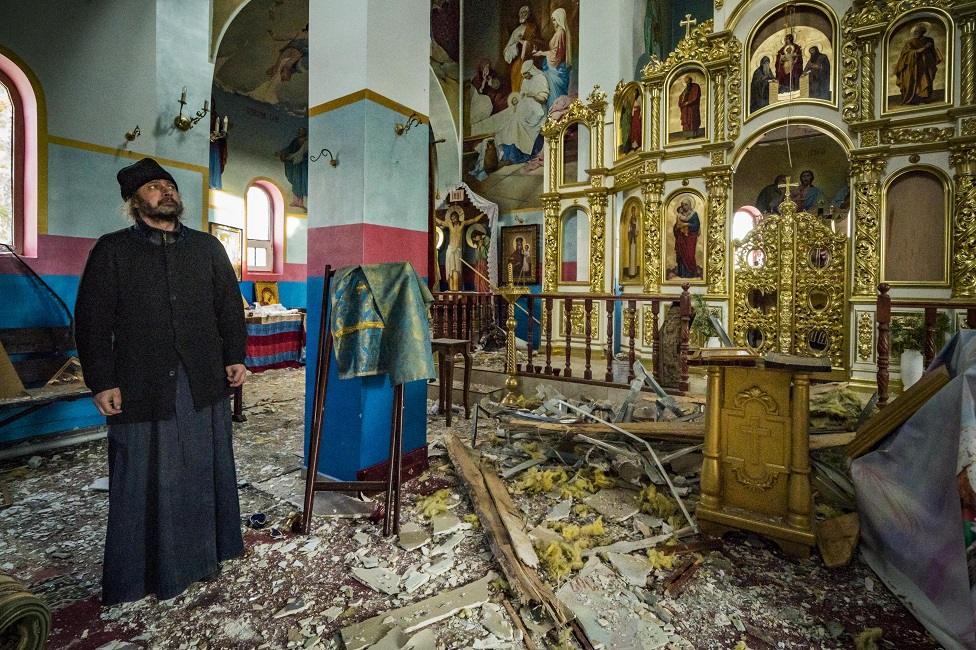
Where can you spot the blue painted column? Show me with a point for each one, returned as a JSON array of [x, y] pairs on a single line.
[[369, 70]]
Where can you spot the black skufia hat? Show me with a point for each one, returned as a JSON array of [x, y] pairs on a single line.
[[137, 174]]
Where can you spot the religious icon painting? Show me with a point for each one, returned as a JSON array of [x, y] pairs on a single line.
[[629, 103], [518, 255], [232, 240], [266, 293], [684, 238], [687, 107], [917, 57], [792, 57], [631, 242]]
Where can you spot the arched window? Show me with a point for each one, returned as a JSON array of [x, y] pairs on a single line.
[[260, 222], [264, 221], [19, 158], [8, 166]]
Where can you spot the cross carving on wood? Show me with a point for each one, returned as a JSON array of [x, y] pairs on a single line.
[[787, 185], [688, 23]]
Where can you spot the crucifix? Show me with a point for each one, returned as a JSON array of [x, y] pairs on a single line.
[[787, 186], [688, 23]]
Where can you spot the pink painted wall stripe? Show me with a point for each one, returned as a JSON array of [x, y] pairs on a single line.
[[361, 243]]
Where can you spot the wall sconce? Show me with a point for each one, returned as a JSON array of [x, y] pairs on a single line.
[[334, 161], [133, 134], [412, 121], [185, 122], [220, 130]]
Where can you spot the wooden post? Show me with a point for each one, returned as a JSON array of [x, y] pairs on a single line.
[[656, 361], [800, 500], [548, 320], [711, 476], [530, 303], [568, 322], [631, 332], [588, 333], [610, 305], [685, 311], [883, 315], [931, 316]]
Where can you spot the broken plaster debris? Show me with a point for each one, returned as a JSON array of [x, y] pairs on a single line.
[[418, 615]]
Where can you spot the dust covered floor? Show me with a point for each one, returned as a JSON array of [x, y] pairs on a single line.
[[298, 591]]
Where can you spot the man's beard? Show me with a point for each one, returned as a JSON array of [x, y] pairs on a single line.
[[164, 211]]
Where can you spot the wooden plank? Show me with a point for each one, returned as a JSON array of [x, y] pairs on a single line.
[[681, 431], [828, 440], [511, 519], [897, 412], [524, 581], [26, 340]]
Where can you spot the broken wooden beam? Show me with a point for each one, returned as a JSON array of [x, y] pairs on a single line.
[[677, 431], [675, 583]]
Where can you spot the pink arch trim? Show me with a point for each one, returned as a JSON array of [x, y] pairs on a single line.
[[26, 132], [277, 232]]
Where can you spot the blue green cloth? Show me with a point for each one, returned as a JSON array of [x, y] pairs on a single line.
[[379, 322]]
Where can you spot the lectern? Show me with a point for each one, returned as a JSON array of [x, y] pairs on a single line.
[[756, 470]]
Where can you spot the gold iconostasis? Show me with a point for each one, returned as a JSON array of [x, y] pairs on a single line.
[[863, 117]]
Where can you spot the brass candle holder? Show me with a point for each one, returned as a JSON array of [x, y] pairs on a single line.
[[511, 293]]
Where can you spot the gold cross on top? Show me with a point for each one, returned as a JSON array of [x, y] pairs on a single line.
[[688, 23], [787, 185]]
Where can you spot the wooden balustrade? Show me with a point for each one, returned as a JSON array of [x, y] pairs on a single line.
[[462, 314], [539, 334], [930, 309]]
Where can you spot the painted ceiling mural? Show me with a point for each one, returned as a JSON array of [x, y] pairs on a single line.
[[264, 54]]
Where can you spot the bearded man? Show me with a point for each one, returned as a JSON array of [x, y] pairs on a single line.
[[159, 325]]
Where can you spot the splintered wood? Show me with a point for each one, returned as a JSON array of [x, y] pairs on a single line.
[[486, 491], [673, 431]]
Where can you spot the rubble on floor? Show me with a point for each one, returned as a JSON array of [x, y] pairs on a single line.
[[618, 565]]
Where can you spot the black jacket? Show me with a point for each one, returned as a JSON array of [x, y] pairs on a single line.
[[148, 301]]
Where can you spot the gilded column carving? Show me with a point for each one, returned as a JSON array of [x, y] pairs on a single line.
[[655, 121], [550, 237], [786, 300], [597, 103], [734, 90], [963, 159], [867, 81], [865, 336], [968, 57], [719, 107], [552, 158], [716, 268], [598, 227], [850, 91], [867, 173], [652, 190]]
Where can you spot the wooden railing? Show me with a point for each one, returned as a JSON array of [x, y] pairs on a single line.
[[461, 314], [930, 308], [540, 337]]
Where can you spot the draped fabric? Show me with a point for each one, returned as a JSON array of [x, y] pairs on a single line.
[[912, 531], [379, 322]]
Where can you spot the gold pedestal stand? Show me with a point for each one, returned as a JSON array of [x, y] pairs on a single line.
[[756, 470], [511, 293]]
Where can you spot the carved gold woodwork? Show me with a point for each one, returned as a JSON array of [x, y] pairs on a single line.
[[650, 323], [627, 317], [577, 319], [908, 135], [550, 239], [788, 287], [598, 228], [968, 57], [755, 474], [591, 114], [652, 190], [867, 172], [968, 127], [963, 159], [720, 54], [865, 336], [870, 138], [718, 184]]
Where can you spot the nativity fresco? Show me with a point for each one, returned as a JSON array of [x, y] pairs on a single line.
[[916, 64], [792, 57], [521, 67]]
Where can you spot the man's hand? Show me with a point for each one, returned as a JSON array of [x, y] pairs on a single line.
[[109, 402], [235, 374]]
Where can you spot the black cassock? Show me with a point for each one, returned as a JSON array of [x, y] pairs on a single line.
[[173, 508]]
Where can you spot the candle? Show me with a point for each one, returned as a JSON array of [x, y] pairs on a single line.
[[225, 124], [206, 105], [183, 96]]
